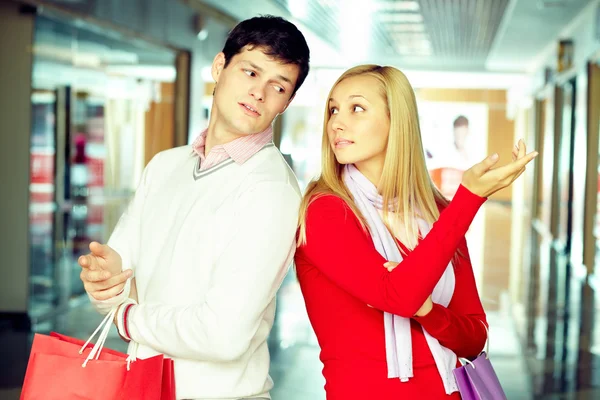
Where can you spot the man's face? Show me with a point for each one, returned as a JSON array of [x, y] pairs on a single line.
[[252, 90]]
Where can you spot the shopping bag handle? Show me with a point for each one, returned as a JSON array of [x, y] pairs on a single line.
[[104, 328]]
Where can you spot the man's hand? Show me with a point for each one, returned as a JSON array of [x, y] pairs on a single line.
[[101, 272]]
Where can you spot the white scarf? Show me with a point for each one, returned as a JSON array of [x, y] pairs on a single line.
[[398, 344]]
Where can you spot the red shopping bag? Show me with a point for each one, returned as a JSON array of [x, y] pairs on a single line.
[[55, 371], [168, 380], [136, 382]]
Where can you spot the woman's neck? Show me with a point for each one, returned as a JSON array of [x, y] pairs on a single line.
[[372, 170]]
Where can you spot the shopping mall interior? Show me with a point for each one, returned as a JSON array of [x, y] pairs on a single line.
[[91, 90]]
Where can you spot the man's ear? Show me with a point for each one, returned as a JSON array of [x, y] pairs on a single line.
[[217, 66]]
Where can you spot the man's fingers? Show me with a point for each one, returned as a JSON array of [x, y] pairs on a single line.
[[108, 293], [98, 275], [88, 261], [84, 262], [100, 250], [92, 286]]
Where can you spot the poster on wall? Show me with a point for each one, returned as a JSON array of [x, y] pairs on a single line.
[[454, 138]]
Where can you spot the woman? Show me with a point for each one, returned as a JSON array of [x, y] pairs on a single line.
[[391, 295]]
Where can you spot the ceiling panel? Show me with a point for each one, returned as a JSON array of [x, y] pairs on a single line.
[[444, 33], [530, 27], [441, 35]]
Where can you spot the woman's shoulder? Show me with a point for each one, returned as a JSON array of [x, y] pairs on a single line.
[[327, 215], [326, 200], [327, 206]]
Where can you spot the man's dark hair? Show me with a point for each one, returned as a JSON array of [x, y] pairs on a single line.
[[276, 37], [461, 120]]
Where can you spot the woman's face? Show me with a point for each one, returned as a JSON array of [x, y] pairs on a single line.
[[359, 124]]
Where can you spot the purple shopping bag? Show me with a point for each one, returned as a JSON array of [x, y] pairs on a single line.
[[477, 380]]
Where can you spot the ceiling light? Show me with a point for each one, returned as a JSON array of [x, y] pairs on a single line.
[[413, 46], [355, 25], [298, 8], [398, 6], [406, 28], [401, 17], [410, 36], [414, 52]]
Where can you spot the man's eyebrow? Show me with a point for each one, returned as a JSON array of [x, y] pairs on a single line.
[[259, 69]]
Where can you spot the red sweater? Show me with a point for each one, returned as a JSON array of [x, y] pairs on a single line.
[[340, 272]]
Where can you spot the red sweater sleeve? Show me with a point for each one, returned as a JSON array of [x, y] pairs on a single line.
[[337, 245], [464, 316]]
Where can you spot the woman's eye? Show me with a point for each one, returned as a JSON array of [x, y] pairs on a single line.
[[333, 110], [358, 109]]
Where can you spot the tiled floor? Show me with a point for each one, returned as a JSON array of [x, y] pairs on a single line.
[[296, 369]]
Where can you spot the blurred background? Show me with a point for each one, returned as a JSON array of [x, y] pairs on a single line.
[[90, 90]]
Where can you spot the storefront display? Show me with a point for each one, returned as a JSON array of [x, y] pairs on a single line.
[[79, 182]]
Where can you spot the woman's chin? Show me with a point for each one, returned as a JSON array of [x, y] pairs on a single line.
[[343, 161]]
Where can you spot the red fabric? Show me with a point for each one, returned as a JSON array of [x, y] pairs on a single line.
[[340, 272], [55, 372], [168, 380]]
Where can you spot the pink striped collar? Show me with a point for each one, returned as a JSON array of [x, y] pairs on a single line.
[[239, 150]]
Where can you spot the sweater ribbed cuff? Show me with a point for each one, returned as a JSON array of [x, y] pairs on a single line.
[[122, 318]]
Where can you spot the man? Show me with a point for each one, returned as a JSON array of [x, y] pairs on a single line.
[[210, 232], [461, 135]]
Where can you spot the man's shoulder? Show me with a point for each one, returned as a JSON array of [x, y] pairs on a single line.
[[171, 159], [270, 165], [179, 153]]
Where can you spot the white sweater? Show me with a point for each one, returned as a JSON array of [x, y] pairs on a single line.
[[209, 251]]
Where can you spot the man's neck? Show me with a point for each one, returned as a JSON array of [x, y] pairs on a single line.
[[217, 135]]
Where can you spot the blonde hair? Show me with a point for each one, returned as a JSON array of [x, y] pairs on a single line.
[[405, 182]]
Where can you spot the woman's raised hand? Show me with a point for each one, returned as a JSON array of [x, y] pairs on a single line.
[[484, 181]]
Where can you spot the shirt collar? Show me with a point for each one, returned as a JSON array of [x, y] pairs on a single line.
[[239, 150]]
